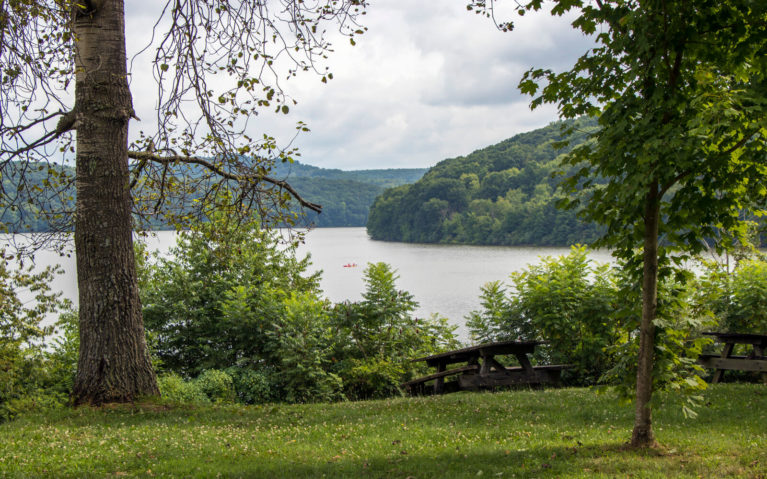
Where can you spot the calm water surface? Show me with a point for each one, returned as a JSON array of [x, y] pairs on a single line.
[[444, 279]]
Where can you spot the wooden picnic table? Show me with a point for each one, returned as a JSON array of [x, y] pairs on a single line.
[[755, 360], [482, 370]]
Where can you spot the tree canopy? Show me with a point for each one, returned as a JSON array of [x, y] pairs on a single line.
[[679, 89], [216, 66]]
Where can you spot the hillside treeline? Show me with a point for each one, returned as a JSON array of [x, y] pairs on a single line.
[[345, 196], [504, 194]]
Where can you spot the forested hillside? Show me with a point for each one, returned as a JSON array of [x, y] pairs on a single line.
[[500, 195], [386, 178], [345, 196]]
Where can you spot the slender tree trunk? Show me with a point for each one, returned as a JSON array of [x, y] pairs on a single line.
[[114, 364], [643, 435]]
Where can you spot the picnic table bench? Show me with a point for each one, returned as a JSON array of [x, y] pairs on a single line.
[[482, 370], [754, 361]]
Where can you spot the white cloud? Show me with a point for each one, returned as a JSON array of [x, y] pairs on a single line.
[[423, 84]]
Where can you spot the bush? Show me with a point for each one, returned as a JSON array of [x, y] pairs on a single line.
[[565, 301], [372, 378], [678, 341], [26, 379], [174, 388], [491, 323], [233, 299], [63, 352], [738, 299], [256, 386], [34, 401], [304, 340], [380, 337], [210, 304], [217, 385]]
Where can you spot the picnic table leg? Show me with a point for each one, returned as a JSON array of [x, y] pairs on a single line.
[[493, 363], [439, 383], [759, 351], [525, 363], [726, 352], [484, 369]]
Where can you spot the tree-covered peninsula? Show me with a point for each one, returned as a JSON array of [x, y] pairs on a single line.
[[504, 194]]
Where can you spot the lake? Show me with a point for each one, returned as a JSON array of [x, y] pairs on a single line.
[[444, 279]]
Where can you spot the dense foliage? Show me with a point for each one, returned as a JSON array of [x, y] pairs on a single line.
[[233, 299], [30, 378], [211, 302], [235, 317], [500, 195], [738, 298], [381, 337], [565, 301], [588, 316], [345, 196]]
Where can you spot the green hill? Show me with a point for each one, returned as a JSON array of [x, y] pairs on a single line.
[[500, 195], [345, 196]]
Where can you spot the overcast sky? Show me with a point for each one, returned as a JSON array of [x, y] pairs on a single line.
[[424, 83]]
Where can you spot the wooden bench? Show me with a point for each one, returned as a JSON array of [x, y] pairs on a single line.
[[417, 386], [515, 376], [755, 361]]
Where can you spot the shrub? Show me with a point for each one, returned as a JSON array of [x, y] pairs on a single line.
[[25, 371], [256, 386], [372, 378], [738, 299], [678, 341], [217, 385], [304, 340], [34, 401], [210, 304], [565, 301], [380, 337], [491, 323], [174, 388], [63, 352]]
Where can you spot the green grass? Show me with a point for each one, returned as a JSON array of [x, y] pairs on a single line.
[[522, 434]]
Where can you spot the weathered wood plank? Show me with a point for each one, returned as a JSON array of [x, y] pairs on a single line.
[[726, 352], [441, 374], [517, 378], [466, 354], [739, 364], [740, 338]]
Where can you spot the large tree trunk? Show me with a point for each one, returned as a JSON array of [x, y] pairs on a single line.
[[114, 364], [643, 435]]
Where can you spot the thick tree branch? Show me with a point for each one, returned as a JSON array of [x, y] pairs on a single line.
[[167, 160], [669, 184]]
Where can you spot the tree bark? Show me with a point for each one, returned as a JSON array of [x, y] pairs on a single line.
[[113, 364], [642, 435]]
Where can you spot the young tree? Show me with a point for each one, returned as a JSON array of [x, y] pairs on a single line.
[[200, 152], [679, 88]]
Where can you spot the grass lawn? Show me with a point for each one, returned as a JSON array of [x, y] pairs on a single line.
[[552, 433]]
